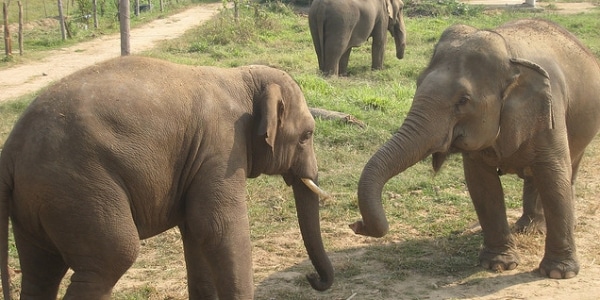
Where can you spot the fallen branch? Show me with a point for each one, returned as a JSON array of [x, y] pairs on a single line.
[[336, 115]]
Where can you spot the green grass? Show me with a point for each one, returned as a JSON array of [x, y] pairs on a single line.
[[429, 215]]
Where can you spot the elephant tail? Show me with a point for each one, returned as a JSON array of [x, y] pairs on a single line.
[[5, 194]]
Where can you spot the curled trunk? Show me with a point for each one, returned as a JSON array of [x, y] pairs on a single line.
[[408, 146], [307, 207]]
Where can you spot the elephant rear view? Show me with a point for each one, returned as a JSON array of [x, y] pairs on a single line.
[[129, 148], [524, 99], [337, 26]]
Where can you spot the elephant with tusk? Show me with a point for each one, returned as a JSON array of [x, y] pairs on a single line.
[[523, 98], [129, 148]]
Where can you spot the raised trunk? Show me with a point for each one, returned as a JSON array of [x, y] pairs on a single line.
[[307, 207], [408, 146]]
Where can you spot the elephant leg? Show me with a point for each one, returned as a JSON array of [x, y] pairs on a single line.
[[532, 220], [99, 244], [199, 274], [483, 182], [217, 234], [343, 66], [378, 48], [42, 271], [553, 181]]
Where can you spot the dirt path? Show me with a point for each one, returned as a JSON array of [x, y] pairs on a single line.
[[27, 78]]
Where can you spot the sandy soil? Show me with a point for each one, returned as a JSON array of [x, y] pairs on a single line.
[[277, 270]]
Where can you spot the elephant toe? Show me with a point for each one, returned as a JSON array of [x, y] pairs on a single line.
[[559, 269], [529, 225], [498, 260]]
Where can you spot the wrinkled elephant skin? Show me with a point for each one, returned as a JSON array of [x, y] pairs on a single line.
[[519, 107], [337, 26], [129, 148]]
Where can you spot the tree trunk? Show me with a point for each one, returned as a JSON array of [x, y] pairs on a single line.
[[95, 12], [20, 27], [7, 42]]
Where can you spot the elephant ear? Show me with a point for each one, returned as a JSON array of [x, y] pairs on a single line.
[[527, 106], [271, 112], [390, 8]]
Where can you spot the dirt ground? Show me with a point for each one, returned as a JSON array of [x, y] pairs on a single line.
[[274, 269]]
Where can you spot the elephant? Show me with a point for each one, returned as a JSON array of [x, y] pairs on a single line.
[[131, 147], [337, 26], [511, 100]]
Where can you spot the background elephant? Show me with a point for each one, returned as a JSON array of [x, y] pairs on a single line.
[[511, 100], [337, 26], [127, 149]]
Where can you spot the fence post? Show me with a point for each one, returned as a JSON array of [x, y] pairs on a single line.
[[61, 16], [124, 26]]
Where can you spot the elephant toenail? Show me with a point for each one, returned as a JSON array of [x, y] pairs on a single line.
[[570, 274], [512, 266], [555, 274]]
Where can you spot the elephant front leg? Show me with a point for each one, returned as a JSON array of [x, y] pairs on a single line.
[[378, 48], [553, 182], [217, 247], [499, 250], [532, 220]]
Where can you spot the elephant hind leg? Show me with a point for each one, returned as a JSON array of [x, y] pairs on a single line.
[[343, 66], [532, 220], [41, 270]]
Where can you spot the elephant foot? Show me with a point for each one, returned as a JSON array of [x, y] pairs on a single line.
[[498, 260], [531, 225], [563, 269]]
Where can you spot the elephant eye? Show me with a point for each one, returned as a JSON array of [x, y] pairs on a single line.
[[305, 137], [463, 100]]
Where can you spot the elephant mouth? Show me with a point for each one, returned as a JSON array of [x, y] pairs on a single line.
[[315, 188]]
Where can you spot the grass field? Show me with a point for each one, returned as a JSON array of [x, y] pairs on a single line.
[[429, 215]]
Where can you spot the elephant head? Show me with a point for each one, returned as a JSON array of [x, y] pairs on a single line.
[[396, 25], [284, 145], [474, 96]]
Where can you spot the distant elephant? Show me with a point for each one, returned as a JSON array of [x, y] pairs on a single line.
[[511, 100], [337, 26], [127, 149]]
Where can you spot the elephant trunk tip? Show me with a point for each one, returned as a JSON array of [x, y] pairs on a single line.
[[377, 230], [318, 283], [400, 54]]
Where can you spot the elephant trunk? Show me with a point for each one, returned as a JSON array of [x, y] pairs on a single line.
[[409, 145], [399, 34], [307, 207]]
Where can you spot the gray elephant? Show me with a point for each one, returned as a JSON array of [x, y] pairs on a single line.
[[127, 149], [511, 100], [337, 26]]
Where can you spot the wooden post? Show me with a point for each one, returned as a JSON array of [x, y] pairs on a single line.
[[162, 5], [124, 26], [95, 12], [136, 10], [20, 27], [61, 16], [7, 43]]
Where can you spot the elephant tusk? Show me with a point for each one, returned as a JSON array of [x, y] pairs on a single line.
[[316, 189]]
